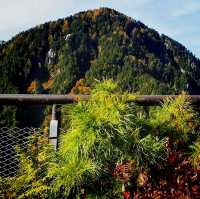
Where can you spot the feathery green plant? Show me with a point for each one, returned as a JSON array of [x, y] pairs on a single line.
[[172, 118], [103, 131]]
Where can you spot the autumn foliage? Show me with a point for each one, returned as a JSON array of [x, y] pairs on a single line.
[[81, 88]]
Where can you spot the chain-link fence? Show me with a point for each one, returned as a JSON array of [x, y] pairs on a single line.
[[9, 139]]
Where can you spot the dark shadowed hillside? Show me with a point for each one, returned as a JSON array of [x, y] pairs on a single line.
[[96, 44]]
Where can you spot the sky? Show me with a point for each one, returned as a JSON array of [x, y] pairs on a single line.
[[179, 19]]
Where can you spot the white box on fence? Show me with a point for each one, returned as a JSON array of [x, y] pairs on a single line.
[[53, 129]]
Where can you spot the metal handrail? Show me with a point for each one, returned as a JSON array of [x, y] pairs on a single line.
[[40, 99]]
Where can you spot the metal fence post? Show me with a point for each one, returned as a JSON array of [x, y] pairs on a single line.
[[53, 132]]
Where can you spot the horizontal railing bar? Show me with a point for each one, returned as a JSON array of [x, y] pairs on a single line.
[[154, 100], [40, 99]]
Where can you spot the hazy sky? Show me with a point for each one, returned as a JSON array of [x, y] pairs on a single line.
[[179, 19]]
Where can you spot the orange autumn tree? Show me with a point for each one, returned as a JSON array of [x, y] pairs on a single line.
[[81, 88]]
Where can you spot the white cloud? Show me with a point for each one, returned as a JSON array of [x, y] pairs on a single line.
[[185, 7], [18, 15]]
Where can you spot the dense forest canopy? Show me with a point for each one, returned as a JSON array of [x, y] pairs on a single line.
[[96, 44]]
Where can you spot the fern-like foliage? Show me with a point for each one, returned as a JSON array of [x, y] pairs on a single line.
[[172, 118], [104, 131]]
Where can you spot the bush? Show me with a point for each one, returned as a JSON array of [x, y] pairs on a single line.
[[112, 144]]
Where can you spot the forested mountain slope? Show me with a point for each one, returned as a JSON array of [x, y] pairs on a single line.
[[96, 44]]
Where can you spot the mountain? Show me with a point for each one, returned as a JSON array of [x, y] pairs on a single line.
[[96, 44]]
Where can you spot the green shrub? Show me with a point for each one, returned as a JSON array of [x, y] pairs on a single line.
[[104, 132]]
